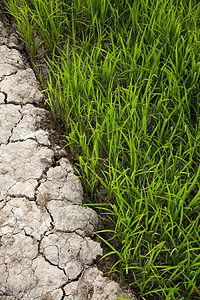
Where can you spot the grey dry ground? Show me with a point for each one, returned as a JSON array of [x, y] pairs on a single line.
[[46, 246]]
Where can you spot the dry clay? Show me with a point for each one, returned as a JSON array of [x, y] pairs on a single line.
[[46, 246]]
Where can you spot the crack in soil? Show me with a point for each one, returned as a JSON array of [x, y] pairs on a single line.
[[6, 97], [15, 127]]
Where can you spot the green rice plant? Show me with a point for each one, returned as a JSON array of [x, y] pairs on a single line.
[[123, 81], [24, 23]]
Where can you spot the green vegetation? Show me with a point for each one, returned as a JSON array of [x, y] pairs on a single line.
[[124, 80]]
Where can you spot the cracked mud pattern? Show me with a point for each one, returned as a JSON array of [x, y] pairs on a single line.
[[46, 246]]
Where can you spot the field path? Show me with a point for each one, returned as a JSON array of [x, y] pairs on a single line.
[[46, 246]]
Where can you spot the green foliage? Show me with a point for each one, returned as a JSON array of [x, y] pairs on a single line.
[[124, 79]]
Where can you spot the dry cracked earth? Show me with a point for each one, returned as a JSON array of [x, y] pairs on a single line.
[[46, 245]]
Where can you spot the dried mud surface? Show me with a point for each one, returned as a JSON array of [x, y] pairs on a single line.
[[47, 250]]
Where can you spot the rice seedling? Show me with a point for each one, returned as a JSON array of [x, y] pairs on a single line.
[[123, 79]]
